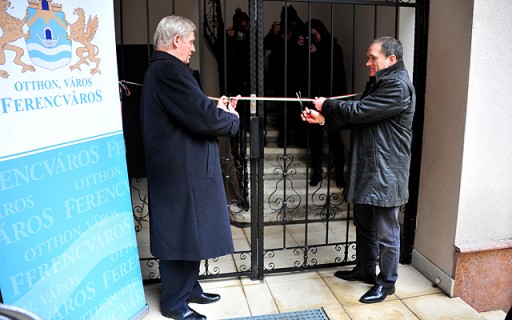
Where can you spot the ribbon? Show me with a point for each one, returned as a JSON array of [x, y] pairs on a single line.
[[287, 99], [124, 82]]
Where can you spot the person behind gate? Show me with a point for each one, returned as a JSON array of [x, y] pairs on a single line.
[[379, 161], [187, 204]]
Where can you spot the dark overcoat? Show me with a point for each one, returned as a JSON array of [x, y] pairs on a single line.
[[380, 138], [180, 125]]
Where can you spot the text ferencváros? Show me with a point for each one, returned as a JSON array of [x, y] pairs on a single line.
[[10, 105]]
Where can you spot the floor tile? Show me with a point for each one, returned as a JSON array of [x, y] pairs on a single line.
[[143, 237], [329, 272], [247, 281], [439, 306], [276, 242], [237, 233], [233, 304], [494, 315], [213, 284], [386, 310], [241, 244], [412, 283], [273, 231], [302, 294], [260, 300], [152, 293], [336, 314], [144, 251], [291, 276], [301, 290], [225, 265], [312, 227], [349, 292], [317, 237]]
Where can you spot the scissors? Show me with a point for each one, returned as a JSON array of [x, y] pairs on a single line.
[[299, 96]]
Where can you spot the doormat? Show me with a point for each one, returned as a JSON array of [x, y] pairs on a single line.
[[312, 314]]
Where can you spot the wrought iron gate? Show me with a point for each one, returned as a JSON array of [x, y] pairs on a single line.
[[280, 222]]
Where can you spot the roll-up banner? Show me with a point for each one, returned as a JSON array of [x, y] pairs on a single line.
[[68, 248]]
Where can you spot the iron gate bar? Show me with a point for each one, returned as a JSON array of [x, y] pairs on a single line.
[[419, 80]]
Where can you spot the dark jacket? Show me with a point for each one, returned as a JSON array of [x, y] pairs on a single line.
[[322, 65], [187, 203], [381, 137]]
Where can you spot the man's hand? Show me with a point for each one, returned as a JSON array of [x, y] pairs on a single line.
[[228, 104], [223, 103], [318, 102], [232, 104], [312, 116]]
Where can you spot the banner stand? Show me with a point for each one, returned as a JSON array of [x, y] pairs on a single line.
[[68, 248]]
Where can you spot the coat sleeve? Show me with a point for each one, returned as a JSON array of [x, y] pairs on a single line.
[[184, 101], [385, 102]]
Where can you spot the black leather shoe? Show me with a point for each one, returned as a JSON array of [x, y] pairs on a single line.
[[340, 182], [377, 294], [205, 298], [315, 178], [356, 275], [190, 314]]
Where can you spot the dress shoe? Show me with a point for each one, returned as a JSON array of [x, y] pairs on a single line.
[[377, 294], [339, 173], [315, 178], [340, 181], [190, 314], [357, 274], [205, 298]]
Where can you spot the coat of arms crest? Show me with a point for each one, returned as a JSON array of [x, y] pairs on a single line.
[[48, 44]]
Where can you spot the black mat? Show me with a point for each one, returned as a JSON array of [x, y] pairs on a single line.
[[312, 314]]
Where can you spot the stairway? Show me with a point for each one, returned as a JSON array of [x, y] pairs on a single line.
[[287, 196]]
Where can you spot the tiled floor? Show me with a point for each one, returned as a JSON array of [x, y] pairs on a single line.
[[415, 298]]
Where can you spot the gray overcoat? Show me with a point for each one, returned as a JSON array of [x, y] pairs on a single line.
[[380, 138]]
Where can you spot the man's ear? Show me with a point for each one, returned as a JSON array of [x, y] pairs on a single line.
[[175, 40], [392, 59]]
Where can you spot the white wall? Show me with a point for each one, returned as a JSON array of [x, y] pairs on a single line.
[[443, 135], [466, 176], [485, 209]]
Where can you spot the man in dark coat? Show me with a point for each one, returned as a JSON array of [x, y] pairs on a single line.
[[188, 209], [380, 156], [325, 55]]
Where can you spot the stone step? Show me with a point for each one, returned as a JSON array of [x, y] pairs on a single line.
[[285, 195], [294, 211]]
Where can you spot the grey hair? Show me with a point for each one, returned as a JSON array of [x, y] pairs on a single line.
[[170, 26], [390, 46]]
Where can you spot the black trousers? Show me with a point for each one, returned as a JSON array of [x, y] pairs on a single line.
[[179, 284], [378, 239]]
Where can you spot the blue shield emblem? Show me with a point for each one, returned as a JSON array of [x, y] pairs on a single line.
[[48, 46]]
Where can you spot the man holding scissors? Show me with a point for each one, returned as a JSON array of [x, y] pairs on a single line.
[[379, 160]]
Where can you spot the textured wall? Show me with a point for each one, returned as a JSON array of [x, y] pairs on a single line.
[[443, 137]]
